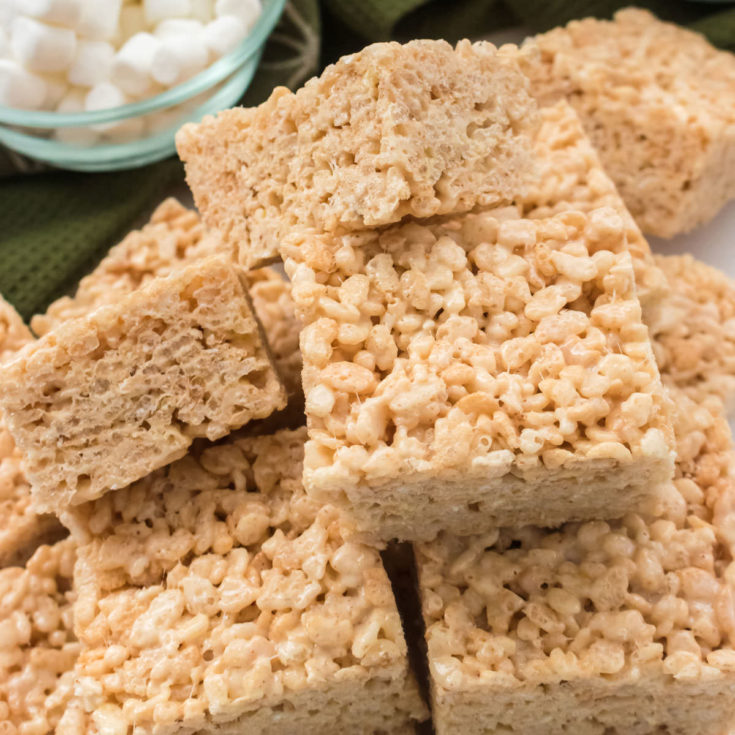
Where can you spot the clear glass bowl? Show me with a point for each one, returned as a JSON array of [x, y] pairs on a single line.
[[218, 87]]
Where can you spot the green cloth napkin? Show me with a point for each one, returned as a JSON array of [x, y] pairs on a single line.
[[55, 226]]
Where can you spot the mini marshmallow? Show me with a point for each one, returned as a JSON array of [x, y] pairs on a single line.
[[57, 86], [202, 10], [92, 63], [5, 52], [224, 34], [63, 12], [100, 19], [178, 59], [8, 12], [19, 87], [40, 47], [104, 96], [179, 27], [248, 11], [73, 102], [131, 69], [158, 10], [132, 21]]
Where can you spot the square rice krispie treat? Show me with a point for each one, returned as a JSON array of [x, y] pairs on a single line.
[[175, 237], [21, 529], [103, 400], [37, 644], [416, 129], [569, 176], [603, 627], [658, 102], [477, 371], [693, 332], [214, 596]]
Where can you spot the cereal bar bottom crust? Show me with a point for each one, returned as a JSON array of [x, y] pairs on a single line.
[[694, 329], [657, 101], [395, 130], [624, 626], [105, 399], [214, 596], [477, 367]]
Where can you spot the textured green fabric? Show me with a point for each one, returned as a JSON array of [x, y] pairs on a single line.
[[55, 226]]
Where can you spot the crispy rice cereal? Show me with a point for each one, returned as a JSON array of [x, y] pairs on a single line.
[[37, 644], [103, 400], [175, 237], [601, 627], [569, 176], [694, 331], [21, 529], [658, 102], [395, 130], [477, 371], [215, 596]]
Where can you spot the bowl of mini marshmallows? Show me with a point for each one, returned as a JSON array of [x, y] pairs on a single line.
[[100, 85]]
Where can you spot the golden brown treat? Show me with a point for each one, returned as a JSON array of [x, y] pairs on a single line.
[[273, 303], [477, 371], [658, 102], [103, 400], [21, 529], [37, 644], [569, 176], [624, 626], [175, 237], [693, 333], [215, 596], [395, 130]]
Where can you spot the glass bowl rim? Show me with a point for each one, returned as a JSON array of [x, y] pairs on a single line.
[[213, 74]]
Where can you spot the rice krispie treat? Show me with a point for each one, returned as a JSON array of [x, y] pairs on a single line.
[[215, 596], [570, 176], [693, 333], [658, 102], [395, 130], [477, 371], [103, 400], [175, 237], [21, 529], [37, 644], [624, 626]]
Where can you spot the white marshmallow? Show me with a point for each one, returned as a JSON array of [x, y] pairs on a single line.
[[131, 69], [100, 19], [92, 63], [202, 10], [224, 34], [132, 21], [104, 96], [178, 59], [73, 102], [5, 52], [248, 11], [64, 12], [19, 87], [179, 27], [158, 10], [57, 86], [8, 12], [40, 47]]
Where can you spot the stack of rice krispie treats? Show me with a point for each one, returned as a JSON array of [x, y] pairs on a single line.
[[473, 351]]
